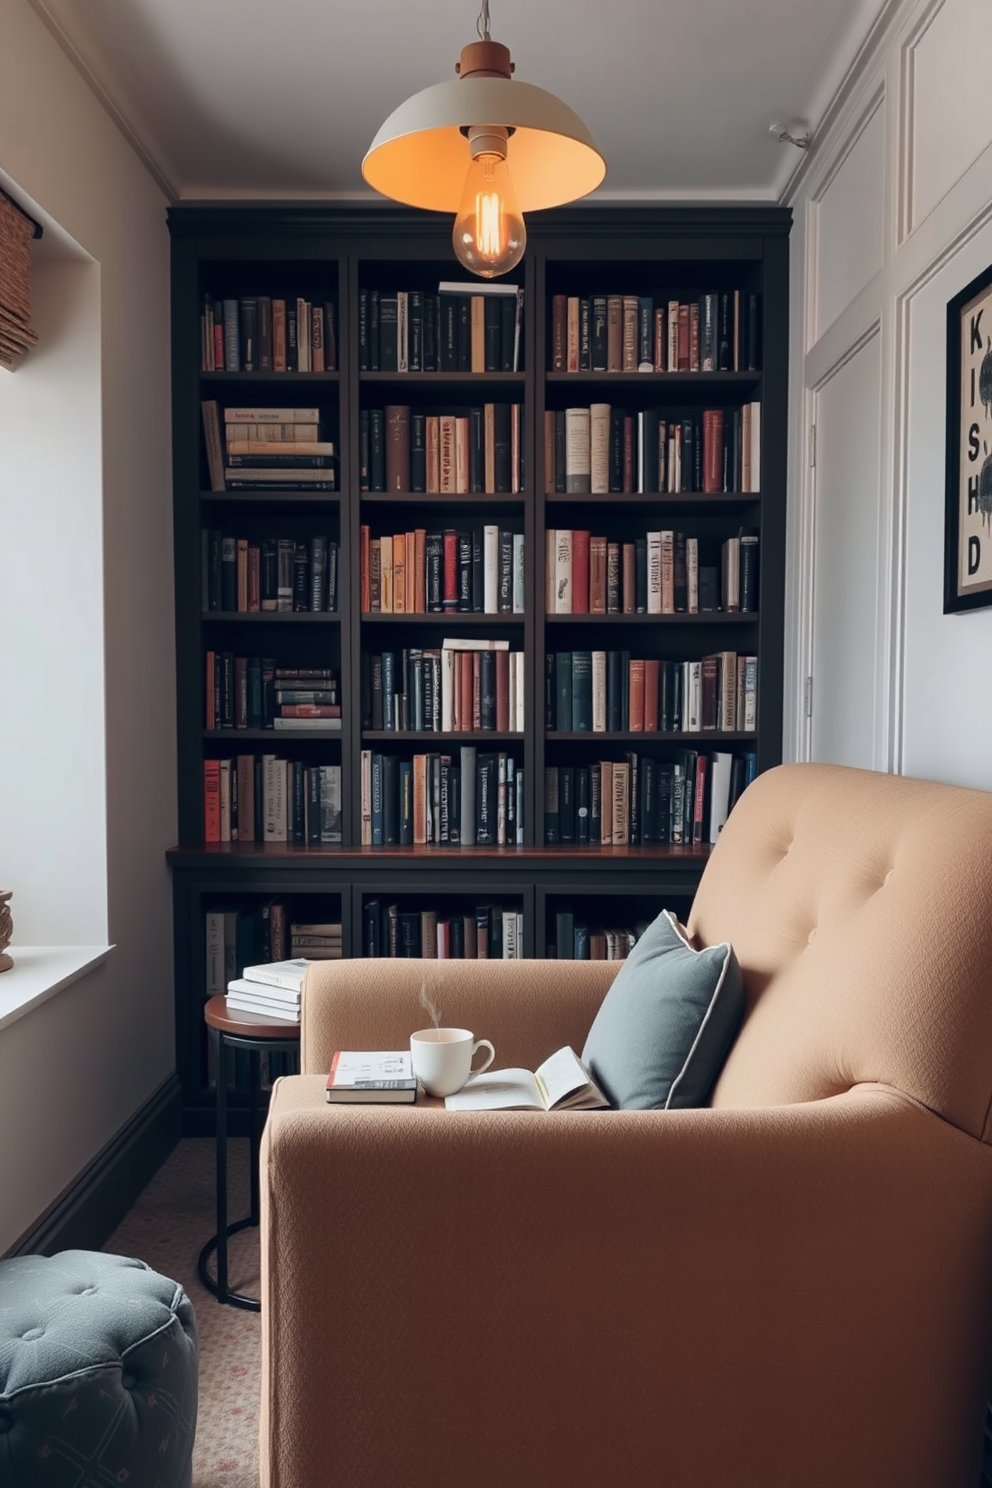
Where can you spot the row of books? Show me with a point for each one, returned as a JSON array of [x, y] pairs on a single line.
[[577, 940], [252, 692], [268, 333], [464, 798], [488, 932], [603, 692], [237, 937], [461, 328], [718, 332], [241, 575], [264, 798], [475, 571], [476, 452], [658, 573], [456, 688], [603, 449], [267, 449], [641, 801]]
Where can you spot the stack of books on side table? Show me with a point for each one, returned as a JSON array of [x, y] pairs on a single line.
[[271, 990]]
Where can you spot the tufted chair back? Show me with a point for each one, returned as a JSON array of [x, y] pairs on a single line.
[[860, 908]]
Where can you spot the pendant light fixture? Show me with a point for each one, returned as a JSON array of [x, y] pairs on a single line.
[[487, 149]]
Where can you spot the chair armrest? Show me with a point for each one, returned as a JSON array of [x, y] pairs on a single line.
[[799, 1294], [527, 1008]]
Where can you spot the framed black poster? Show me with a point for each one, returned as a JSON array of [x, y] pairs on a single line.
[[968, 493]]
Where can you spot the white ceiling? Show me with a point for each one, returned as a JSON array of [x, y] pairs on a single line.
[[250, 98]]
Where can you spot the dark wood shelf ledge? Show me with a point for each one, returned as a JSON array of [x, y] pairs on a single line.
[[680, 617], [273, 617], [447, 617]]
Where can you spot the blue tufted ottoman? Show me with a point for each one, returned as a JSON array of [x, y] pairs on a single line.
[[98, 1374]]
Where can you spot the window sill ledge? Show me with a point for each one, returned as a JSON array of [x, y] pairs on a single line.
[[39, 972]]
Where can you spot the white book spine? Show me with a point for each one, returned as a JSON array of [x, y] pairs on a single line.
[[519, 709], [577, 452], [599, 448], [447, 689], [550, 541], [563, 572], [225, 800], [694, 695], [518, 573], [654, 573], [750, 720], [510, 935], [366, 797], [668, 573], [599, 692], [490, 569], [720, 764], [692, 575], [467, 772], [402, 332], [755, 447]]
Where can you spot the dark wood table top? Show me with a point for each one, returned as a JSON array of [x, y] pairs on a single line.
[[249, 1025]]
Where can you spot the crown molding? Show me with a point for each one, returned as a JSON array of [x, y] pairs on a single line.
[[838, 86], [61, 19]]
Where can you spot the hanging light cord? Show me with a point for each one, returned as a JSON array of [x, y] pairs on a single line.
[[482, 24]]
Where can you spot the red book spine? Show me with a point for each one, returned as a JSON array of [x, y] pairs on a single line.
[[652, 674], [713, 449], [449, 591], [218, 346], [476, 691], [310, 710], [465, 691], [211, 800], [503, 691], [699, 799], [580, 573]]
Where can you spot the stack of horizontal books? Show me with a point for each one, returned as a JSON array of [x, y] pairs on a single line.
[[270, 991]]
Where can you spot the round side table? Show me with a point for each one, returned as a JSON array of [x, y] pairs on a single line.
[[255, 1033]]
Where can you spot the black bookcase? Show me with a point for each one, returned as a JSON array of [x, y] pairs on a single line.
[[337, 255]]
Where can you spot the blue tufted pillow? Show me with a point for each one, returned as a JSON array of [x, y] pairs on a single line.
[[666, 1024]]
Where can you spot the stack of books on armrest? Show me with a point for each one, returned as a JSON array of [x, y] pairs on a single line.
[[271, 990]]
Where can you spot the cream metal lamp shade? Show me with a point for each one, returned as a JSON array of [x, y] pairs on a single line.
[[421, 154]]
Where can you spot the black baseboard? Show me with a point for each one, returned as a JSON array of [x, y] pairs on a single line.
[[88, 1211]]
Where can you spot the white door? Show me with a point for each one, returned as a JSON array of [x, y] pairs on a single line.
[[845, 561]]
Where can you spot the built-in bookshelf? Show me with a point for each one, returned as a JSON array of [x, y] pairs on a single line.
[[479, 587]]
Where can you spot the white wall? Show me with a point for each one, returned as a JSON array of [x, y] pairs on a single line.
[[893, 214], [74, 1070]]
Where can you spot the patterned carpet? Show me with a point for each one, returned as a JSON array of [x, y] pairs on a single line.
[[172, 1219]]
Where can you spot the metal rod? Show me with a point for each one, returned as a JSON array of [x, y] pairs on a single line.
[[38, 229]]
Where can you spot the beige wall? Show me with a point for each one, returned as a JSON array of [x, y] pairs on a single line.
[[75, 1069]]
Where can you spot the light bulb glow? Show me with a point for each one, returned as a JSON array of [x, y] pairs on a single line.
[[489, 236]]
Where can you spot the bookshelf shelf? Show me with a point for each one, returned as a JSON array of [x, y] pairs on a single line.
[[343, 255], [270, 380], [705, 617], [270, 617], [294, 496], [475, 502]]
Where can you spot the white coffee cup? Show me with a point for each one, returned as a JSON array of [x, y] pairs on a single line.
[[442, 1058]]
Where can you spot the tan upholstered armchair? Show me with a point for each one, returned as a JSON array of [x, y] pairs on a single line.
[[790, 1289]]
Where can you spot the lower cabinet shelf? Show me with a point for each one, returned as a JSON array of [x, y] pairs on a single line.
[[235, 908]]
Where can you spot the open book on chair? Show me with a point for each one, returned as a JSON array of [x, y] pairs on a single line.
[[561, 1083]]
